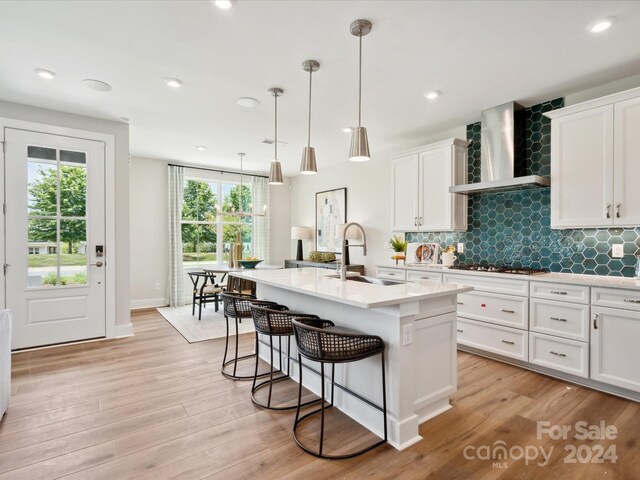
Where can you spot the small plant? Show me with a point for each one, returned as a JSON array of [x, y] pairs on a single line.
[[50, 279], [399, 244]]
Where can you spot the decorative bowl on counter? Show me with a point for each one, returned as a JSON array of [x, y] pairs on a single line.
[[249, 263]]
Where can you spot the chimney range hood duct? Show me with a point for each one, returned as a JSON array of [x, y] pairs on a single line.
[[502, 159]]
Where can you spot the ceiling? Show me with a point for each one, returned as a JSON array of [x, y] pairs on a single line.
[[478, 53]]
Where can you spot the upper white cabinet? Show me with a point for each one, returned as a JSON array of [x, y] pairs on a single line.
[[595, 163], [420, 187]]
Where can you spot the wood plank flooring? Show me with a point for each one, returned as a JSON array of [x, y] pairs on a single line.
[[155, 406]]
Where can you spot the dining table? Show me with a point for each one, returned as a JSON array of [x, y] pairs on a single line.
[[226, 269]]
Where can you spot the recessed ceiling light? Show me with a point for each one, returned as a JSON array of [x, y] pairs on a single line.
[[173, 82], [97, 85], [201, 148], [347, 129], [601, 25], [432, 95], [44, 73], [247, 102], [223, 4]]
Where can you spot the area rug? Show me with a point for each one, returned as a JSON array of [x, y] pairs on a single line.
[[212, 325]]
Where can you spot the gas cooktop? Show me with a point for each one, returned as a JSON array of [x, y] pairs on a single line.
[[498, 269]]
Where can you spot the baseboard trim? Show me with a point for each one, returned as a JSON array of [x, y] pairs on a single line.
[[123, 331], [148, 303]]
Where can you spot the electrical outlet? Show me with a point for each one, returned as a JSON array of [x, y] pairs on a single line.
[[460, 247], [617, 250], [158, 286], [407, 334]]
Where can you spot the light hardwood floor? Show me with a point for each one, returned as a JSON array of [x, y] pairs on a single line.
[[155, 406]]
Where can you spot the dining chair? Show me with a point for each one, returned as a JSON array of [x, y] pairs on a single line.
[[203, 291]]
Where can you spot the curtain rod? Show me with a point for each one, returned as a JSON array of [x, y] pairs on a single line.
[[217, 170]]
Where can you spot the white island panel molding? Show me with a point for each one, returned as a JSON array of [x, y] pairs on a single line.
[[421, 369]]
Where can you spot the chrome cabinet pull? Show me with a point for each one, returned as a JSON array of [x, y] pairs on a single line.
[[558, 292], [507, 311], [608, 210], [595, 321], [618, 210], [420, 221], [508, 342], [460, 303], [558, 319], [557, 354], [415, 221], [459, 330], [631, 300]]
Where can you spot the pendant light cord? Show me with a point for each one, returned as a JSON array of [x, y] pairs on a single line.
[[360, 83], [275, 143], [309, 127]]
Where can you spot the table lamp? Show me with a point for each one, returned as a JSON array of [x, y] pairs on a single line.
[[300, 233], [353, 234]]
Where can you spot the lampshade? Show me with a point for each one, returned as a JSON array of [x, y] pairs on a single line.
[[275, 173], [359, 151], [308, 163], [352, 234], [300, 233]]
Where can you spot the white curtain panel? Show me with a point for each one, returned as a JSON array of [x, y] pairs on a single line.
[[176, 274], [261, 224]]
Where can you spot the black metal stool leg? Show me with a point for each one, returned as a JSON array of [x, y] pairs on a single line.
[[384, 398], [321, 407], [226, 344], [235, 361], [270, 371]]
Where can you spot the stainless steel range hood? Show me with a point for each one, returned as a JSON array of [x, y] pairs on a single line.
[[502, 159]]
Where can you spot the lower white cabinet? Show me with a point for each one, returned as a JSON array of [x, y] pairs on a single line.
[[568, 320], [559, 353], [507, 310], [506, 341], [418, 276], [615, 347], [392, 273]]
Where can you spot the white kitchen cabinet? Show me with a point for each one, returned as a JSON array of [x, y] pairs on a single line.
[[420, 192], [615, 356], [595, 163]]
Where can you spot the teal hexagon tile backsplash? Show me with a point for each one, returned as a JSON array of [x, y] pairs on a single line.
[[513, 228]]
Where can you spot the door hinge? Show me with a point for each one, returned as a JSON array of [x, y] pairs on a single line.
[[4, 147], [4, 208], [5, 267]]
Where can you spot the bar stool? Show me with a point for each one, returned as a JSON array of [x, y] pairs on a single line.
[[275, 322], [321, 341], [236, 305]]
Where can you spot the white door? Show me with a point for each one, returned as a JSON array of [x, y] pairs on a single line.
[[405, 193], [582, 169], [626, 165], [55, 228], [435, 180], [615, 356]]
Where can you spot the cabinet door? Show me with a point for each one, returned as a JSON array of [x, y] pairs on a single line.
[[582, 169], [435, 179], [615, 356], [405, 193], [626, 164]]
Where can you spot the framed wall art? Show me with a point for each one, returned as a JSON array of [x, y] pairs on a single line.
[[331, 211]]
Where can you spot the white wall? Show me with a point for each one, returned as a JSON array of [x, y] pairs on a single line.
[[368, 199], [121, 133], [149, 231]]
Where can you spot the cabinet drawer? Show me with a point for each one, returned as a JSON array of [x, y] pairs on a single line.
[[616, 298], [505, 310], [490, 284], [391, 273], [416, 276], [560, 354], [560, 291], [568, 320], [493, 338]]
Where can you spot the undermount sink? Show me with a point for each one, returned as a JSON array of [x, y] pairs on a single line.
[[371, 280]]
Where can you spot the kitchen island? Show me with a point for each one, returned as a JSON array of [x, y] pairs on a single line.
[[417, 322]]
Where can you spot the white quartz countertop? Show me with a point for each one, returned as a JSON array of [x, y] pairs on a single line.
[[569, 278], [317, 282]]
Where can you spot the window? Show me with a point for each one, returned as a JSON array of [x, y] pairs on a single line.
[[207, 233], [34, 251]]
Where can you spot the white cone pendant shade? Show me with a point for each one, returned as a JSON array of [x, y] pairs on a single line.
[[275, 173], [308, 164], [359, 151]]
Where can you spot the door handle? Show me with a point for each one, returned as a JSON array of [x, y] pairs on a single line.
[[558, 319], [508, 342], [420, 221], [415, 221], [618, 210], [507, 311], [459, 330], [557, 292], [557, 354], [97, 264], [608, 210], [595, 321]]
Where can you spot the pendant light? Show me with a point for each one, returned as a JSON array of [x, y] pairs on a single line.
[[308, 164], [241, 212], [359, 151], [275, 172]]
